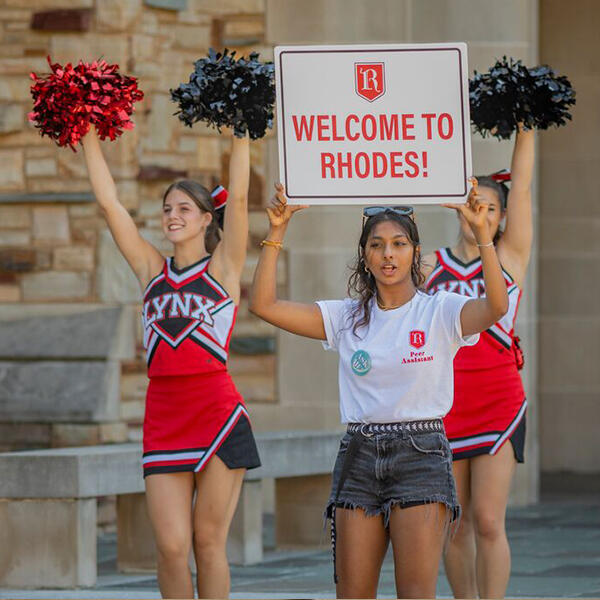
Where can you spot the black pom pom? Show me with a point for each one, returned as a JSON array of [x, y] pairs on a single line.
[[225, 92], [510, 93]]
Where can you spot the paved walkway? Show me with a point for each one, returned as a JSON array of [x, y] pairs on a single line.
[[555, 548]]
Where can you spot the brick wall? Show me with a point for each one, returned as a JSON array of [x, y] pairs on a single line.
[[54, 246]]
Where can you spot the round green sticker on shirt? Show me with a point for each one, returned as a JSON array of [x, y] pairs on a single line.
[[360, 362]]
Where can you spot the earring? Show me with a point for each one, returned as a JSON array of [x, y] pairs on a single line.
[[363, 264]]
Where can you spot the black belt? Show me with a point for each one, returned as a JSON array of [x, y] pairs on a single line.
[[424, 426]]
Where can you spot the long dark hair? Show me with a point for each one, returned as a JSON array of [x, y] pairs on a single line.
[[203, 200], [361, 283], [501, 190]]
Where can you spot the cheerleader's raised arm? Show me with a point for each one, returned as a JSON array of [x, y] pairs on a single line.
[[143, 258], [479, 314], [514, 246], [229, 256]]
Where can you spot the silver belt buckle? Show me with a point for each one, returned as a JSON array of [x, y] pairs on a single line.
[[368, 435]]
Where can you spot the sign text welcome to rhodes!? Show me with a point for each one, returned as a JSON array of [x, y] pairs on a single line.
[[373, 124]]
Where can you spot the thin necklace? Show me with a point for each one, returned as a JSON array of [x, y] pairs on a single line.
[[382, 307]]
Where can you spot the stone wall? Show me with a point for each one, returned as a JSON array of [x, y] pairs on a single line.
[[54, 245], [569, 331]]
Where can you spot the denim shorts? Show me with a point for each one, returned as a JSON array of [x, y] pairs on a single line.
[[393, 469]]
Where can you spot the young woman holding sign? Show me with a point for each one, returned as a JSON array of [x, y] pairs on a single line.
[[392, 480], [489, 401], [197, 436]]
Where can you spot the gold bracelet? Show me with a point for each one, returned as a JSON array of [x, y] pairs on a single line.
[[274, 244], [485, 245]]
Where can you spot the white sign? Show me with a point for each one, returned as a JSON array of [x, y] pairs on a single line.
[[373, 124]]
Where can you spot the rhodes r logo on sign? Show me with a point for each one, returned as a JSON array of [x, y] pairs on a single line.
[[369, 80]]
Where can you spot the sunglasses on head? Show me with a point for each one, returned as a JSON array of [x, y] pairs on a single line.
[[371, 211]]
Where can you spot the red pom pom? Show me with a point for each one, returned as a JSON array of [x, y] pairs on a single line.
[[70, 99]]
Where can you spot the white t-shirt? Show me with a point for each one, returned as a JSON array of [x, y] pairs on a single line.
[[399, 368]]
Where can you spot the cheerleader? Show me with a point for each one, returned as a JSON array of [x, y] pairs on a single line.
[[197, 436], [486, 426], [392, 480]]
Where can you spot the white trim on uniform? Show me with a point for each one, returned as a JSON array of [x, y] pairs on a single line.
[[439, 269], [229, 425], [472, 441], [497, 438], [507, 322], [222, 304], [213, 282], [186, 274], [220, 330], [171, 456], [509, 430], [153, 340], [153, 282], [208, 342], [182, 334], [504, 337], [453, 264]]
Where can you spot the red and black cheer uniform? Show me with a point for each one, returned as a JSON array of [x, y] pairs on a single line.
[[489, 400], [193, 409]]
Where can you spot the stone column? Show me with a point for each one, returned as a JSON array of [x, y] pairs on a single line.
[[49, 543], [136, 547], [300, 502], [569, 332], [245, 545]]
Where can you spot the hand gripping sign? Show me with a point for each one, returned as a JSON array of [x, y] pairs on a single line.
[[373, 124]]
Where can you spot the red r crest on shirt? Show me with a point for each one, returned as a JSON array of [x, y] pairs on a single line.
[[417, 339]]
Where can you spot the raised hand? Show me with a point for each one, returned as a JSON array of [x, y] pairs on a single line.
[[278, 209], [475, 213]]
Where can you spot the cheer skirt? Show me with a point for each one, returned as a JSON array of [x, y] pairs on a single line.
[[489, 409], [190, 418]]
